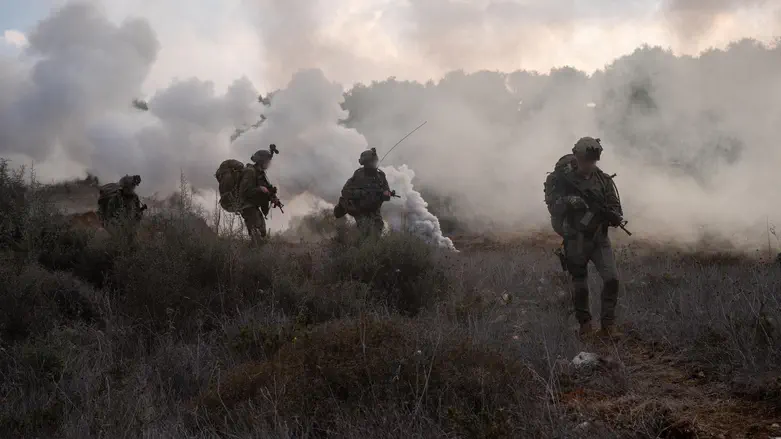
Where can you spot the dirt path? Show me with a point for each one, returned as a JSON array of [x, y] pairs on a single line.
[[653, 394]]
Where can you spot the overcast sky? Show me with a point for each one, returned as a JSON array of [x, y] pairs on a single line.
[[361, 40]]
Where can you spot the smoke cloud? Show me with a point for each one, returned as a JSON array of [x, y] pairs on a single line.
[[692, 18], [71, 94], [692, 139], [317, 154]]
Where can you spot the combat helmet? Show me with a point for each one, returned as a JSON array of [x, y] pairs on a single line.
[[129, 181], [264, 155], [588, 148], [368, 156]]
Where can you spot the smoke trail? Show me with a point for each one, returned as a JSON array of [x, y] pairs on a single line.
[[412, 214], [318, 154]]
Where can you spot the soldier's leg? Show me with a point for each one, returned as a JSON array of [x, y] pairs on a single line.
[[605, 263], [367, 225], [255, 223], [377, 224], [577, 266], [361, 223]]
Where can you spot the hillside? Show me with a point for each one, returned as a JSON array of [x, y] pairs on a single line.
[[193, 335]]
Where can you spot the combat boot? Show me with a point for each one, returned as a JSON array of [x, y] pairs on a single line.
[[586, 330], [609, 330]]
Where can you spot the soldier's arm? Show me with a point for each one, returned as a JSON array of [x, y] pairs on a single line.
[[384, 182], [612, 201], [137, 207]]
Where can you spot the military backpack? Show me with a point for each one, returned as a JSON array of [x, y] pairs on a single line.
[[228, 177], [105, 194]]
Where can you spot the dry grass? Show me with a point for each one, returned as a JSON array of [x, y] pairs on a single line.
[[193, 335]]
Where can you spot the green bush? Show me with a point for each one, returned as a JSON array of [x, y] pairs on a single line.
[[404, 272], [378, 368], [33, 301]]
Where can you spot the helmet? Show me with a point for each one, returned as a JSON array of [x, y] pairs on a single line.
[[588, 148], [261, 156], [264, 155], [130, 181], [368, 156]]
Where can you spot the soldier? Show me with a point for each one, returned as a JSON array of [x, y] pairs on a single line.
[[586, 233], [257, 194], [119, 207], [363, 195]]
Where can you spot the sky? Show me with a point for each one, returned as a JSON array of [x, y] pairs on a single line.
[[363, 40], [69, 70]]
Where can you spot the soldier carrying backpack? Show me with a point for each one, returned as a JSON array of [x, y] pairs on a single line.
[[584, 203], [363, 195], [119, 208], [245, 189]]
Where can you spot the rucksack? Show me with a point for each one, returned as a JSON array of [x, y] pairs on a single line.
[[370, 197], [228, 177], [562, 165], [106, 193]]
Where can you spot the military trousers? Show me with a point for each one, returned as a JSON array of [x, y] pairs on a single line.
[[123, 230], [370, 223], [255, 223], [599, 251]]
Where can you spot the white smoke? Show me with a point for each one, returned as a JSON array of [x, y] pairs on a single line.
[[318, 155], [693, 139], [412, 213], [69, 96]]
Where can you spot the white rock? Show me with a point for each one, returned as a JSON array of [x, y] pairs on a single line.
[[585, 359]]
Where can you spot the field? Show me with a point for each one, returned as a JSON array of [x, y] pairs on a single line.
[[188, 334]]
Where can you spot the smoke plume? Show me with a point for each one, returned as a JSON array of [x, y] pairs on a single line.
[[317, 154], [71, 94], [693, 139], [692, 19]]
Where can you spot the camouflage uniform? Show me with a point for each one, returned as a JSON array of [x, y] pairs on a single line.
[[120, 208], [363, 195], [585, 243], [255, 204]]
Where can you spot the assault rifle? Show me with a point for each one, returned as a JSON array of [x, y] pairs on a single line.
[[596, 206], [374, 192], [274, 200]]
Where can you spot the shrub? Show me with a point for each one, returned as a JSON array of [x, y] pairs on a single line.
[[33, 301], [12, 204], [404, 272], [381, 368]]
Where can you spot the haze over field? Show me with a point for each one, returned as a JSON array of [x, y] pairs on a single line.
[[692, 138]]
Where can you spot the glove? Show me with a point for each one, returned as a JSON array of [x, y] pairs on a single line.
[[576, 202], [614, 219]]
